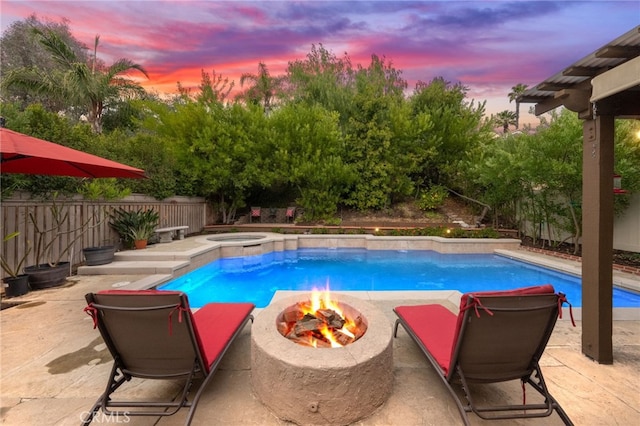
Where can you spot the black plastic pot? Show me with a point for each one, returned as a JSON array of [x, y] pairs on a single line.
[[99, 255], [45, 276], [17, 286]]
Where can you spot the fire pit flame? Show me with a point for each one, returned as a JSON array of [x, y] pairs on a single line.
[[321, 322]]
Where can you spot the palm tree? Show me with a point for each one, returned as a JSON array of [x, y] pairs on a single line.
[[88, 84], [505, 118], [20, 48], [264, 87], [516, 91]]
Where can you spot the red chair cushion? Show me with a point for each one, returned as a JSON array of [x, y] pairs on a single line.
[[215, 324], [435, 326]]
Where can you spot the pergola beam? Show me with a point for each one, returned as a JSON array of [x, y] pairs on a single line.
[[621, 105], [625, 52], [574, 71], [547, 105], [552, 87], [616, 80], [574, 100]]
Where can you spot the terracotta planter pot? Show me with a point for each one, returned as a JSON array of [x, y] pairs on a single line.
[[45, 276], [17, 286], [140, 244], [98, 255]]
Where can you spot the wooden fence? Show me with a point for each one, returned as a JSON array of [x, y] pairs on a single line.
[[85, 223]]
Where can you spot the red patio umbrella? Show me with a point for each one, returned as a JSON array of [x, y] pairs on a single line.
[[25, 154]]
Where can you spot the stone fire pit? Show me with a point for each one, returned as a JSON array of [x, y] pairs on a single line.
[[333, 386]]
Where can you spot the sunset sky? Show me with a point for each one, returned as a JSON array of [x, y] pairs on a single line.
[[489, 46]]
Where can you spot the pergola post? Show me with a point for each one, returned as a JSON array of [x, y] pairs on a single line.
[[597, 240]]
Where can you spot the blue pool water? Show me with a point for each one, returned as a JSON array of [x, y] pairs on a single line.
[[256, 278]]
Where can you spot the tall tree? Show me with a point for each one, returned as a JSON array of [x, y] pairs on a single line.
[[553, 168], [88, 84], [213, 88], [505, 119], [375, 153], [323, 78], [306, 154], [264, 87], [455, 127], [494, 174], [516, 91], [20, 48]]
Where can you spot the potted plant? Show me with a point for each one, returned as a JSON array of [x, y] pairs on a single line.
[[52, 244], [135, 227], [17, 283], [104, 189], [99, 255], [141, 235]]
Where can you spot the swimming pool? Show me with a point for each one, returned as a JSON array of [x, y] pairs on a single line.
[[256, 278]]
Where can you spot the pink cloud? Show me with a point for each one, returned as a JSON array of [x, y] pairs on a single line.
[[488, 46]]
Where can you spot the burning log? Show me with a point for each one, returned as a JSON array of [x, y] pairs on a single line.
[[313, 328], [321, 323], [342, 338], [359, 327], [308, 324], [292, 314], [331, 318]]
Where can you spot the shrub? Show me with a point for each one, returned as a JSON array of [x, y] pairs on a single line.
[[134, 225], [433, 198], [333, 221], [443, 231]]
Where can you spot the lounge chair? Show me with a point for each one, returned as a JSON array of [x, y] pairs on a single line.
[[255, 214], [152, 334], [496, 337], [290, 214]]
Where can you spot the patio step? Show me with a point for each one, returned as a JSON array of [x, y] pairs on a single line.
[[143, 267]]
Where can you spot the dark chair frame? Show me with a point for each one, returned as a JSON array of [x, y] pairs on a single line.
[[153, 335], [498, 337], [273, 214]]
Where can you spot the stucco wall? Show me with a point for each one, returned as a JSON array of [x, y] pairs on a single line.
[[626, 228]]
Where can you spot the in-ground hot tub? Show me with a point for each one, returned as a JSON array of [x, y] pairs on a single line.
[[331, 386]]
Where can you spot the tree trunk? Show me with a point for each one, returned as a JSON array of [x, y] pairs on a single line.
[[578, 232]]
